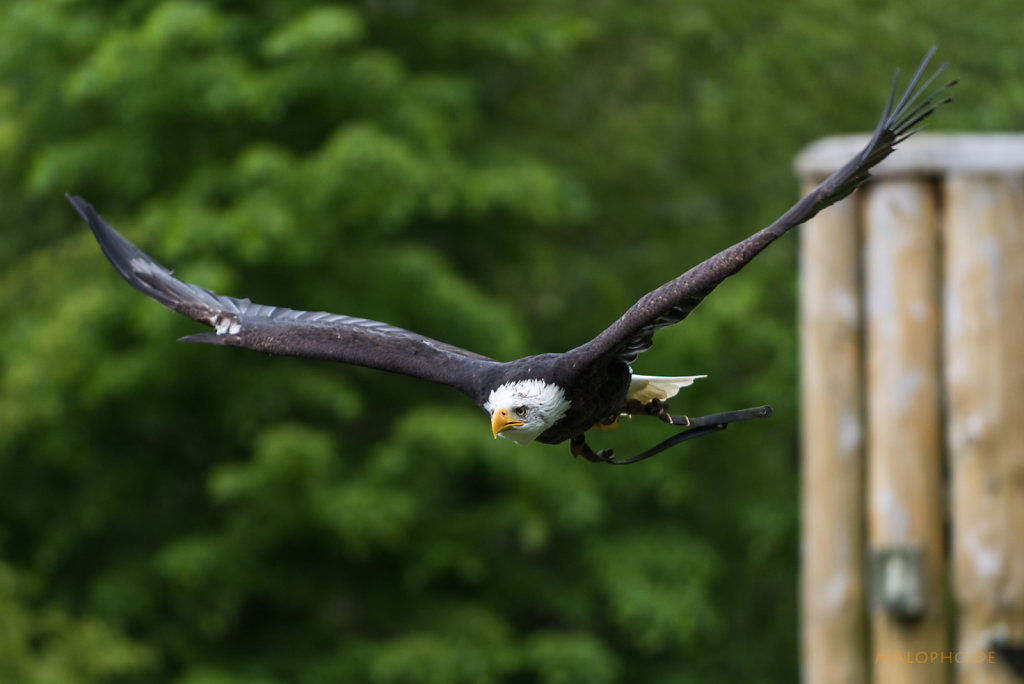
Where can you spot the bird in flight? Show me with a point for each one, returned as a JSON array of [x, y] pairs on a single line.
[[549, 398]]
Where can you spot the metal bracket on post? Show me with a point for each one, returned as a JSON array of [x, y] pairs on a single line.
[[1011, 653], [897, 582]]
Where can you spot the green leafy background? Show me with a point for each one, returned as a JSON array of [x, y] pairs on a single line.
[[508, 177]]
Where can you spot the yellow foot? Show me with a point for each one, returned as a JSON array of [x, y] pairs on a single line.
[[608, 423]]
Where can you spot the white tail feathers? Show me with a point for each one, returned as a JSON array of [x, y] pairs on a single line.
[[644, 388]]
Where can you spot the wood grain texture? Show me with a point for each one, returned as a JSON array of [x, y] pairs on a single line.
[[984, 373], [832, 434], [904, 446]]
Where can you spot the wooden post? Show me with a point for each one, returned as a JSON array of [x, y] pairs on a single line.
[[941, 236], [904, 493], [984, 371], [832, 524]]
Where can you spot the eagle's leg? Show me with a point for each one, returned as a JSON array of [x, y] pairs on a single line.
[[655, 407], [671, 418], [660, 409], [635, 407], [579, 447]]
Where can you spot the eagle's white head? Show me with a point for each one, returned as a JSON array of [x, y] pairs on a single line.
[[523, 409]]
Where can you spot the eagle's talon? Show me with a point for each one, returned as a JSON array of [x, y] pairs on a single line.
[[655, 407], [602, 456], [578, 447]]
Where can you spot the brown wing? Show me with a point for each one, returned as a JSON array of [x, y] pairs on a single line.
[[633, 333], [288, 332]]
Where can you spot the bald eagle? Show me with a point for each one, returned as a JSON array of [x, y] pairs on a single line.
[[549, 398]]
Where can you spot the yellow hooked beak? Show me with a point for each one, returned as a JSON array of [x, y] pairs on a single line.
[[500, 421]]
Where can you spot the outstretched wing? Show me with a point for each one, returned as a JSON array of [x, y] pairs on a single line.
[[633, 333], [287, 332]]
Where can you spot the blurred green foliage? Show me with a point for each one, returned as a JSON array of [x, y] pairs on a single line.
[[508, 177]]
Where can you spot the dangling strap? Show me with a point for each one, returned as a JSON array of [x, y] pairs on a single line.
[[698, 427]]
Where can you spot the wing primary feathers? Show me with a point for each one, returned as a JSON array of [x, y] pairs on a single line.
[[291, 332], [907, 96], [357, 341], [156, 281], [633, 333], [910, 94], [921, 112]]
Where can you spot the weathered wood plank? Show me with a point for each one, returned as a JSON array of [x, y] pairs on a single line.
[[832, 586], [984, 374], [904, 444]]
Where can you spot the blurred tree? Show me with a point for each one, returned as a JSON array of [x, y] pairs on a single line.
[[506, 177]]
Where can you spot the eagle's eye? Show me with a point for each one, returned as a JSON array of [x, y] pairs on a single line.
[[521, 411]]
